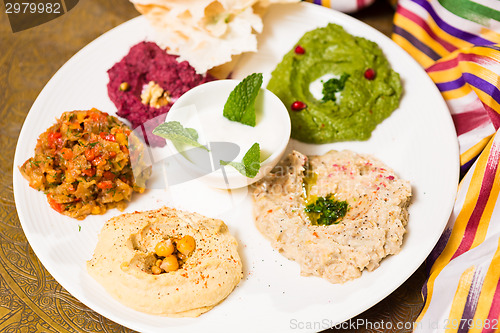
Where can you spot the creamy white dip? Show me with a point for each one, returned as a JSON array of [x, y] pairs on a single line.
[[372, 229]]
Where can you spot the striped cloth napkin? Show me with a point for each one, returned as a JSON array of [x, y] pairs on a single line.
[[458, 44]]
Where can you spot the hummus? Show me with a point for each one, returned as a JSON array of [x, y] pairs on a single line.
[[368, 89], [372, 228], [125, 254]]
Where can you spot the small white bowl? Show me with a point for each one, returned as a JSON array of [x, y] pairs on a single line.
[[202, 107]]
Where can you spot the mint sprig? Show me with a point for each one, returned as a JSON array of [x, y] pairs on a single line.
[[250, 165], [240, 105], [175, 132]]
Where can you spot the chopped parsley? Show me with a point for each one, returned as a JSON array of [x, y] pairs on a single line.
[[69, 206], [333, 86], [326, 210]]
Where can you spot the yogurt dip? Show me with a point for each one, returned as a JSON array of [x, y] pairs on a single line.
[[202, 109]]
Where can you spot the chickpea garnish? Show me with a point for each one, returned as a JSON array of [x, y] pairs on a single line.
[[171, 254], [164, 248], [170, 263], [155, 270], [186, 245]]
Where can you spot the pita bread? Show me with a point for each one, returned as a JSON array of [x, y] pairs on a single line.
[[207, 33]]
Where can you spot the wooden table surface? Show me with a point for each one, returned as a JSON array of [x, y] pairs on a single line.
[[30, 299]]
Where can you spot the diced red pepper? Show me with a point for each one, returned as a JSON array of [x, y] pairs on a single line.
[[54, 138], [67, 153], [105, 185], [112, 154], [109, 175], [108, 136], [98, 160], [89, 172], [54, 135], [89, 154], [98, 116], [94, 116], [55, 205]]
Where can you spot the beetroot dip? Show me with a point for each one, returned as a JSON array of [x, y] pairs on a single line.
[[144, 63]]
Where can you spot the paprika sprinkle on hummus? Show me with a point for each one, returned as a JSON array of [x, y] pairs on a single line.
[[167, 262]]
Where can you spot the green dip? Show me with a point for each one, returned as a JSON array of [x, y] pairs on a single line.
[[363, 102]]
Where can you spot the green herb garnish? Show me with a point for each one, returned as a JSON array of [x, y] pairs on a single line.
[[250, 164], [333, 86], [326, 211], [175, 132], [240, 105]]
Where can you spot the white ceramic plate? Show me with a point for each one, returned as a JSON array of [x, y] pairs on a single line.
[[418, 140]]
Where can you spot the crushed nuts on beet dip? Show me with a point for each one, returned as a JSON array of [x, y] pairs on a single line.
[[145, 84]]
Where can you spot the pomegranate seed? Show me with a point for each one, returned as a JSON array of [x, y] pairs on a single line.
[[298, 106], [299, 50], [370, 74]]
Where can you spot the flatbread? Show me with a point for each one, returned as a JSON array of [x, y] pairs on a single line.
[[207, 33]]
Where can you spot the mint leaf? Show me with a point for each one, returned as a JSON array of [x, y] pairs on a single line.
[[175, 132], [250, 164], [240, 105], [237, 165]]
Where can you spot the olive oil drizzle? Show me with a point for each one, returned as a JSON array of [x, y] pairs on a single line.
[[321, 210]]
